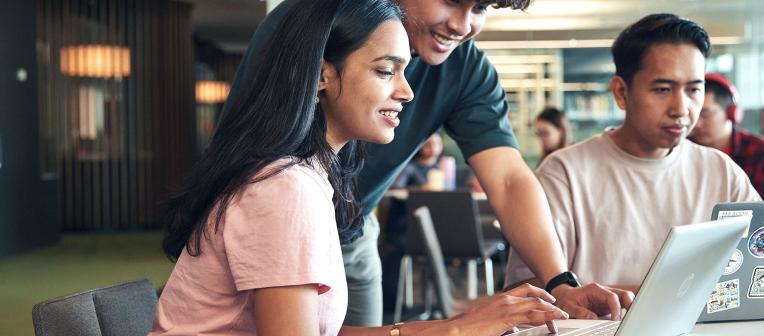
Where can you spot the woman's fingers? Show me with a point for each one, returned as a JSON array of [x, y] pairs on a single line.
[[539, 317], [504, 312], [527, 290], [552, 327], [532, 310]]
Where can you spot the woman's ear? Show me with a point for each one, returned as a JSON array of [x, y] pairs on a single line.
[[328, 74], [620, 91]]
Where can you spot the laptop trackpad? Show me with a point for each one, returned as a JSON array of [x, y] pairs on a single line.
[[543, 331], [563, 326]]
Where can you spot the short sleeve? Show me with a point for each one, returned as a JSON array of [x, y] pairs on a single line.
[[281, 231], [479, 120]]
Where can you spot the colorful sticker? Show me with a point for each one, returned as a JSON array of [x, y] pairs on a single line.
[[736, 213], [757, 283], [756, 243], [736, 260], [726, 296]]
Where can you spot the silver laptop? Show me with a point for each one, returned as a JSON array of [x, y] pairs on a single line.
[[676, 287], [739, 293]]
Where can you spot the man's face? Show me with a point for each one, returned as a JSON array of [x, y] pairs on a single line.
[[436, 27], [712, 127], [664, 99]]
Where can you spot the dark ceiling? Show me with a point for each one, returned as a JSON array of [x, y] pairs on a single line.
[[228, 24]]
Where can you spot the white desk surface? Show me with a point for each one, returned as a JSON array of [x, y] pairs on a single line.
[[751, 328]]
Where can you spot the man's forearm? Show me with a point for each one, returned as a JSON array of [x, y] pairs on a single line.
[[532, 281], [526, 222]]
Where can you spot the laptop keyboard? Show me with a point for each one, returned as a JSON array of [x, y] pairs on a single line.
[[605, 329]]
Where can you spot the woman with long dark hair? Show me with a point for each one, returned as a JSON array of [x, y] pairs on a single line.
[[256, 229], [552, 130]]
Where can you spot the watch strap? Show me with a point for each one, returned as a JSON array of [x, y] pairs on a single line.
[[566, 277]]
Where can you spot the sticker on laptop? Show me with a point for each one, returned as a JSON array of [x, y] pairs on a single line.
[[756, 243], [736, 260], [757, 283], [726, 296], [736, 213]]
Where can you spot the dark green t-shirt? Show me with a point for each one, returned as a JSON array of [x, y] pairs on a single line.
[[463, 95]]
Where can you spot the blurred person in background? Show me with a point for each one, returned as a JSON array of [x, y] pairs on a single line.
[[717, 127], [552, 130], [430, 170]]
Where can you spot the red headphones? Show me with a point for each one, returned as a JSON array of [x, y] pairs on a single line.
[[734, 112]]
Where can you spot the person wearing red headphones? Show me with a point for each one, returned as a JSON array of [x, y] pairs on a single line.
[[717, 128]]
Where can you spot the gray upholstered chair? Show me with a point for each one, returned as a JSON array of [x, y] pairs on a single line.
[[446, 302], [121, 309], [447, 305], [460, 235]]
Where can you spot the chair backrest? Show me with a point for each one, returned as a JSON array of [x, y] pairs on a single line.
[[434, 254], [455, 214], [487, 218], [122, 309]]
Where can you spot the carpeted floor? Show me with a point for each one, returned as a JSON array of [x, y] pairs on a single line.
[[78, 262]]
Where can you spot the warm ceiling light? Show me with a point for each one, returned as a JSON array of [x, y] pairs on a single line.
[[521, 59], [573, 43], [212, 92], [545, 44], [95, 60], [528, 23], [562, 7]]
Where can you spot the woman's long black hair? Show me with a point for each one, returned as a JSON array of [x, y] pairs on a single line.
[[272, 113]]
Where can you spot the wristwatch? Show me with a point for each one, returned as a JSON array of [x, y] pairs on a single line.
[[566, 277]]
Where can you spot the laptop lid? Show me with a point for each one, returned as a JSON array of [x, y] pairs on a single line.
[[680, 279], [739, 292]]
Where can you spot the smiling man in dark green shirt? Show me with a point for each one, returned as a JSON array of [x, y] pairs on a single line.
[[456, 88]]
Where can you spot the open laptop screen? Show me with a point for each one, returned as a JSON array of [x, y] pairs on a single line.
[[678, 284]]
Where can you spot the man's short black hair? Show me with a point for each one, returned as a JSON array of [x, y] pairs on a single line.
[[514, 4], [629, 48], [722, 95]]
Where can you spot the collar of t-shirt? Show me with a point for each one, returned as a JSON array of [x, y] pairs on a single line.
[[643, 163]]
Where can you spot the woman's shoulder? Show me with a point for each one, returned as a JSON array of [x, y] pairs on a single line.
[[290, 177], [290, 195]]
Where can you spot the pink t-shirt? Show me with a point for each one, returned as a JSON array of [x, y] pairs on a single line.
[[278, 232]]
